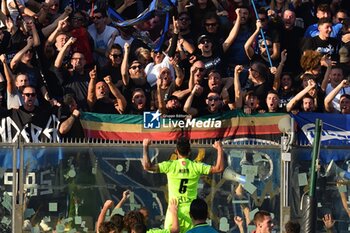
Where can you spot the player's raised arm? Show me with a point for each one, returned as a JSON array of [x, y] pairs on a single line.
[[146, 163], [219, 166]]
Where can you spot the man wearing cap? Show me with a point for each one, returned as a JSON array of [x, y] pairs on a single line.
[[134, 77], [183, 175], [213, 59]]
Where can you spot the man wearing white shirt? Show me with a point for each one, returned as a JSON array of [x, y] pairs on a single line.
[[101, 34]]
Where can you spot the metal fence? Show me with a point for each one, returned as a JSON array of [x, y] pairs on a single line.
[[64, 185]]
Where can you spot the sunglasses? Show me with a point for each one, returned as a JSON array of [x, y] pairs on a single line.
[[135, 67], [97, 17], [200, 69], [268, 46], [29, 51], [213, 98], [184, 19], [205, 41], [116, 55], [210, 24], [29, 94], [78, 19]]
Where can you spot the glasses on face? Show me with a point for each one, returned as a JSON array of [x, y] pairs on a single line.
[[77, 58], [78, 18], [210, 24], [116, 55], [29, 94], [205, 41], [96, 17], [200, 69], [213, 98], [184, 19], [268, 46], [136, 67]]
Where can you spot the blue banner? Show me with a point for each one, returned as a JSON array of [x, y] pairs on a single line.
[[336, 128]]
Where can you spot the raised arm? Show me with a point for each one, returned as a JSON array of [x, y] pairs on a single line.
[[17, 58], [188, 104], [66, 125], [124, 68], [300, 95], [161, 103], [277, 76], [239, 222], [101, 217], [248, 46], [11, 87], [126, 4], [146, 163], [233, 33], [237, 86], [173, 208], [327, 63], [51, 27], [91, 96], [61, 24], [63, 52], [330, 97], [121, 101], [219, 166], [126, 195]]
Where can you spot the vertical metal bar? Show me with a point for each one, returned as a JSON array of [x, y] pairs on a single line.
[[14, 187], [315, 153]]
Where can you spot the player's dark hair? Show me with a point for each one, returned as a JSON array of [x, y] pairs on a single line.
[[183, 146]]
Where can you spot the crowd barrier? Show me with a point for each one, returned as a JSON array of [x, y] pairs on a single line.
[[63, 185]]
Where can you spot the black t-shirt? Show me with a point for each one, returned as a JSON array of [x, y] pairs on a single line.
[[291, 41], [114, 72], [76, 131], [74, 83], [5, 42], [35, 126], [102, 106], [325, 47]]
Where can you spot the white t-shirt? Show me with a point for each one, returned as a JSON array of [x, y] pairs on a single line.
[[152, 70], [101, 41], [13, 10], [119, 40]]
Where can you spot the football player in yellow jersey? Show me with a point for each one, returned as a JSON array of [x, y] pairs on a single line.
[[183, 175]]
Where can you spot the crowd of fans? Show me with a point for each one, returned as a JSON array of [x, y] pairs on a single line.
[[214, 58]]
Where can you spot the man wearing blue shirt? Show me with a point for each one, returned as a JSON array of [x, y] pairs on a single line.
[[323, 11]]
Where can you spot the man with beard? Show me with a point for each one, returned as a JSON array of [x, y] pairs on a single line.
[[98, 97], [31, 119], [134, 77], [291, 37], [344, 101], [214, 104], [235, 54]]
